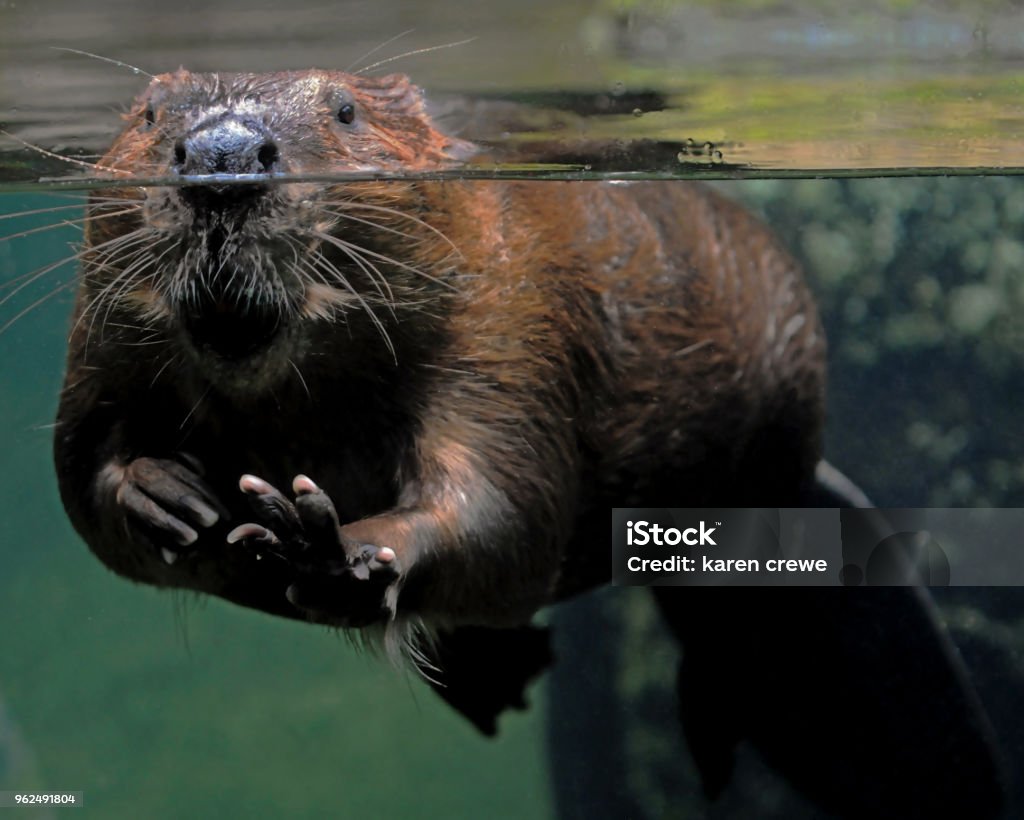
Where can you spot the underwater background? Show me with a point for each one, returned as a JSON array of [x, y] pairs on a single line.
[[163, 704]]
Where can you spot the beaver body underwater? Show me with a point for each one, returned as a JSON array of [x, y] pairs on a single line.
[[456, 379]]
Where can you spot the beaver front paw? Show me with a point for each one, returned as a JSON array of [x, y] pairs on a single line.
[[165, 502], [335, 580]]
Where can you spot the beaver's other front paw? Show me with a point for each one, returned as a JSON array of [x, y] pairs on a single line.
[[335, 579], [164, 502]]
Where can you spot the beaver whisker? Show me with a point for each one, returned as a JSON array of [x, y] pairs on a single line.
[[108, 194], [413, 53], [98, 205], [101, 259], [35, 304], [63, 223], [320, 260], [158, 271], [150, 335], [163, 367], [188, 278], [377, 226], [92, 166], [181, 288], [302, 380], [377, 48], [322, 299], [390, 260], [79, 196], [111, 60], [195, 406], [130, 276], [372, 272], [125, 279], [135, 245], [80, 201], [413, 238], [138, 223], [150, 343], [135, 278], [34, 276], [262, 294], [95, 255], [128, 326], [38, 211], [323, 270], [366, 206], [98, 265], [299, 251], [227, 252], [19, 283]]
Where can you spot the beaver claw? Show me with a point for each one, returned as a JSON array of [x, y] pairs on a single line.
[[336, 580]]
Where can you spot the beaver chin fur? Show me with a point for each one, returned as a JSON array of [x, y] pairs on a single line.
[[228, 300], [248, 369]]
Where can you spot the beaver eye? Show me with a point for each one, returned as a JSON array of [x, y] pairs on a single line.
[[149, 115], [346, 114]]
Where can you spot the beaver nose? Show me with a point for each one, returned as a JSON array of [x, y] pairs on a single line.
[[227, 146]]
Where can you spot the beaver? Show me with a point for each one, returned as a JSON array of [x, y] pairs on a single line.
[[452, 379]]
